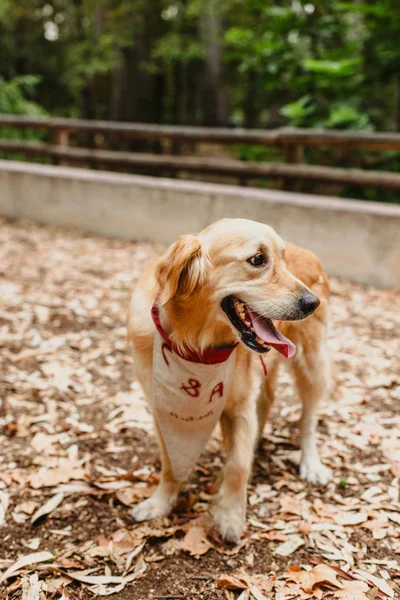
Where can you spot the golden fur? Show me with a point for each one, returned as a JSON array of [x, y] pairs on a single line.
[[189, 282]]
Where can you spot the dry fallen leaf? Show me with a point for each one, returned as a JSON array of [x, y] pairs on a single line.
[[4, 501], [48, 507], [256, 593], [67, 471], [122, 540], [309, 580], [381, 584], [353, 590], [33, 544], [75, 423], [31, 588], [27, 560], [290, 546], [195, 541], [257, 585], [133, 494], [351, 518], [27, 507], [239, 581]]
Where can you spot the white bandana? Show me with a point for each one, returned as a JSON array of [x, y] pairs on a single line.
[[189, 397]]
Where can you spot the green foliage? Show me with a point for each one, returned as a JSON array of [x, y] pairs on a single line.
[[345, 116], [15, 99], [258, 63], [257, 153], [290, 61], [172, 47], [333, 68], [299, 111], [14, 96]]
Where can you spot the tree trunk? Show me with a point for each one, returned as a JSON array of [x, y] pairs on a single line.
[[251, 109], [214, 94], [397, 116]]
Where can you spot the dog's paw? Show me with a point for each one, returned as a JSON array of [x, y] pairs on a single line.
[[315, 472], [230, 522], [151, 508]]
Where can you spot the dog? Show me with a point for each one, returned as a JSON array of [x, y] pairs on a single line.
[[204, 316]]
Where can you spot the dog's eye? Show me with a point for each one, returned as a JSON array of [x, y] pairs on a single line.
[[258, 260]]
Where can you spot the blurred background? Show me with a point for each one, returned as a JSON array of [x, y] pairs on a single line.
[[225, 63]]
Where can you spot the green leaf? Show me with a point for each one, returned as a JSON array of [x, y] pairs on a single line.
[[337, 68], [298, 111]]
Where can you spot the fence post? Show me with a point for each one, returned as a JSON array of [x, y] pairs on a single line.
[[292, 154], [61, 139]]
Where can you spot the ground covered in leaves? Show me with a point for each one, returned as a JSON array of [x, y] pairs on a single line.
[[77, 449]]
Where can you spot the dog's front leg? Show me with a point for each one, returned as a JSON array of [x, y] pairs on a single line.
[[164, 497], [240, 433], [312, 372]]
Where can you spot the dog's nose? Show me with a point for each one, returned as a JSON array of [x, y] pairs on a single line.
[[308, 303]]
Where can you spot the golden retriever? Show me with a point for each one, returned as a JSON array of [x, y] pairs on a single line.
[[221, 290]]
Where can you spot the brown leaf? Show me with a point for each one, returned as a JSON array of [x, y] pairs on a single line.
[[353, 590], [309, 580], [395, 467], [381, 584], [304, 527], [256, 593], [51, 477], [27, 507], [196, 542], [131, 495], [239, 581], [10, 429], [264, 583], [70, 563], [295, 592], [273, 536], [122, 540]]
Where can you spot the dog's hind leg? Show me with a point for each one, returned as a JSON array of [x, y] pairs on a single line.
[[312, 372]]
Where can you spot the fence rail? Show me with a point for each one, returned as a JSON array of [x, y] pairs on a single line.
[[290, 140]]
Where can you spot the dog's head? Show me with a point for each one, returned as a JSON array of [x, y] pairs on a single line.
[[232, 277]]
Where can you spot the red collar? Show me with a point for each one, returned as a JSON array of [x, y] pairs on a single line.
[[213, 356]]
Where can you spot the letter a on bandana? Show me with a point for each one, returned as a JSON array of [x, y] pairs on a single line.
[[189, 396]]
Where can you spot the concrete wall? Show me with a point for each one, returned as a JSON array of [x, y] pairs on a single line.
[[356, 240]]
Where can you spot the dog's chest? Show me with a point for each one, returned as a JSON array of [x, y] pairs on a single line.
[[189, 398]]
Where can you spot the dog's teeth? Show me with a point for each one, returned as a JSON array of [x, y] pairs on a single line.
[[262, 343], [242, 315], [239, 306]]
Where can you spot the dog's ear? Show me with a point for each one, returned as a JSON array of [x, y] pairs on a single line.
[[181, 269]]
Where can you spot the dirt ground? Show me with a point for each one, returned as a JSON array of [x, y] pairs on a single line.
[[77, 449]]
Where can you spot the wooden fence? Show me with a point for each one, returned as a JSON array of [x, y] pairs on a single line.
[[290, 141]]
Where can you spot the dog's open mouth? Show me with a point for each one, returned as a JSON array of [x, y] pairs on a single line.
[[256, 332]]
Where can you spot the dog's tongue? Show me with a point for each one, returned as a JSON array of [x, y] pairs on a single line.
[[266, 331]]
